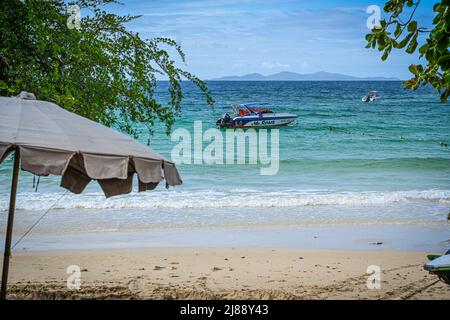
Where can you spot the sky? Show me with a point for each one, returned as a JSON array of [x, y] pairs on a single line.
[[237, 37]]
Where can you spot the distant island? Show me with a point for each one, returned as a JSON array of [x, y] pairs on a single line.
[[292, 76]]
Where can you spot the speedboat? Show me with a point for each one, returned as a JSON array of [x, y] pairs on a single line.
[[371, 96], [255, 115]]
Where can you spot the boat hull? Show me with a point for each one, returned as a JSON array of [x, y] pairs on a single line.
[[263, 120]]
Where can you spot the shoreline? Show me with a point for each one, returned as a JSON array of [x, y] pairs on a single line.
[[222, 273], [418, 238]]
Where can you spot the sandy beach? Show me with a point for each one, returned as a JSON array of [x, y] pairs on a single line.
[[222, 273], [224, 150]]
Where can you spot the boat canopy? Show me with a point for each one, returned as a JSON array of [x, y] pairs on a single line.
[[252, 107], [254, 104]]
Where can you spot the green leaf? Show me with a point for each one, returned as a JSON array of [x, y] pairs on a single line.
[[444, 58], [437, 7], [447, 77], [398, 30], [412, 26], [442, 45], [412, 45], [444, 63], [386, 53], [413, 69], [405, 41], [423, 49]]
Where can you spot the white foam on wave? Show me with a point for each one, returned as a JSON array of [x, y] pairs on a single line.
[[235, 198]]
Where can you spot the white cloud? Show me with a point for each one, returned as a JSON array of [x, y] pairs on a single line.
[[265, 35]]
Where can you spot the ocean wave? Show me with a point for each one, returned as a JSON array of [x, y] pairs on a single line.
[[235, 198]]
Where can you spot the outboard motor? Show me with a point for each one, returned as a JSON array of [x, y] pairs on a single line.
[[224, 122]]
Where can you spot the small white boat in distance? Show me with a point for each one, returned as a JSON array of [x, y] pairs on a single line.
[[371, 96], [255, 115]]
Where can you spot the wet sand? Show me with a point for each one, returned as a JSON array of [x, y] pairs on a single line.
[[222, 273]]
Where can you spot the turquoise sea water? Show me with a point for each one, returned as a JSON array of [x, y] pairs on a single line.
[[345, 162], [339, 143]]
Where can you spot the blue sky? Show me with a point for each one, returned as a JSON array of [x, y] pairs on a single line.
[[236, 37]]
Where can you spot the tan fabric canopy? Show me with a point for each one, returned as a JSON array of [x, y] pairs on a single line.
[[55, 141]]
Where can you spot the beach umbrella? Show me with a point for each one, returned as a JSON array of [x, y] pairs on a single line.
[[49, 140]]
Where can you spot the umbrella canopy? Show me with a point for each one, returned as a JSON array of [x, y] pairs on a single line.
[[52, 140], [47, 139]]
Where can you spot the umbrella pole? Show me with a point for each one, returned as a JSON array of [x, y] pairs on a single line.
[[9, 228]]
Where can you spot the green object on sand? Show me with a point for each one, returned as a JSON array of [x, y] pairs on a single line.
[[440, 266], [433, 256]]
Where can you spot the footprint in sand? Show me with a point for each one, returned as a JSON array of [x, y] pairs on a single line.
[[158, 268]]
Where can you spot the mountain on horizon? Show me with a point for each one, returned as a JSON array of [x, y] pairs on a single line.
[[292, 76]]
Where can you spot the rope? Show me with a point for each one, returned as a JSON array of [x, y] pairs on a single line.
[[39, 220]]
